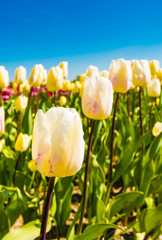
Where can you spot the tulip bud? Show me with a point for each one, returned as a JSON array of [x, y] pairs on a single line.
[[4, 77], [154, 88], [36, 76], [20, 75], [2, 142], [22, 142], [21, 103], [154, 67], [32, 166], [2, 120], [55, 79], [104, 73], [157, 101], [157, 129], [97, 98], [63, 100], [120, 75], [64, 66], [140, 72], [54, 136], [92, 71], [67, 85]]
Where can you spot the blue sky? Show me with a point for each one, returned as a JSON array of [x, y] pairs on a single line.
[[81, 32]]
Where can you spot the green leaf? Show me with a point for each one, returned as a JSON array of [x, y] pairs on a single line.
[[29, 231], [127, 157], [155, 186], [124, 201], [153, 149], [149, 219], [4, 226], [94, 231], [9, 153]]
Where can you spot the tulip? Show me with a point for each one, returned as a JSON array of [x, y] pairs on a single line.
[[92, 71], [36, 76], [154, 67], [55, 79], [104, 73], [67, 85], [97, 97], [141, 72], [4, 77], [64, 66], [2, 142], [159, 75], [54, 136], [63, 100], [44, 80], [21, 103], [154, 88], [32, 166], [157, 129], [82, 78], [76, 87], [22, 142], [157, 101], [2, 120], [20, 75], [120, 75]]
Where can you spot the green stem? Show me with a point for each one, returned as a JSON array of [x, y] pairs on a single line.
[[16, 166], [150, 114], [86, 179], [133, 104], [141, 124], [128, 104], [112, 137], [46, 208], [18, 122]]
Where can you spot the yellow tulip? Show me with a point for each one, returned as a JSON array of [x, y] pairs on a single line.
[[55, 79], [157, 129], [58, 144], [67, 85], [44, 80], [154, 88], [157, 101], [36, 76], [77, 87], [120, 75], [159, 75], [21, 103], [32, 167], [82, 78], [4, 77], [64, 66], [63, 100], [97, 98], [2, 120], [22, 142], [20, 75], [154, 67], [92, 71], [2, 142], [141, 72]]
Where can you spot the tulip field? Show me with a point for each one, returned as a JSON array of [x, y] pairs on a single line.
[[81, 159]]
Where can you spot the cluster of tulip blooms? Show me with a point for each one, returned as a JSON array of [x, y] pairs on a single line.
[[57, 131]]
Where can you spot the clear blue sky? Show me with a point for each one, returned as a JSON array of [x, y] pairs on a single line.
[[82, 32]]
